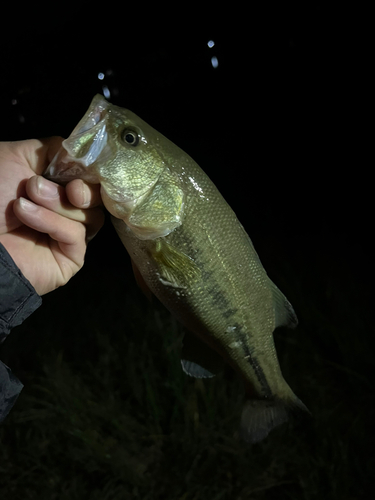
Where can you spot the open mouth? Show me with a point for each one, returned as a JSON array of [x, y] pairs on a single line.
[[87, 142]]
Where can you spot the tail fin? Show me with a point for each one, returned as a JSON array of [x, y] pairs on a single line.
[[260, 416]]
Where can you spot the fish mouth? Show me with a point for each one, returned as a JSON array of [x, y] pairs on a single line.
[[84, 146]]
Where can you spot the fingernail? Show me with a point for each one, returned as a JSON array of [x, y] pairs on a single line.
[[85, 196], [28, 205], [46, 188]]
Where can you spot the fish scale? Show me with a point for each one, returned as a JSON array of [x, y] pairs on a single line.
[[191, 251]]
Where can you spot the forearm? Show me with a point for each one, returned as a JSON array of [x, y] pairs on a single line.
[[18, 300]]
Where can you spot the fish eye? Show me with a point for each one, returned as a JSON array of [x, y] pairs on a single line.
[[130, 137]]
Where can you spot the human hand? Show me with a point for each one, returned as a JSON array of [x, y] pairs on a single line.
[[44, 227]]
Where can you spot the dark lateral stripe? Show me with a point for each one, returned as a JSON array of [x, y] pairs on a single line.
[[229, 313], [255, 365], [217, 297]]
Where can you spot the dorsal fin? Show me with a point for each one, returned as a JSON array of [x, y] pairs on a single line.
[[284, 312]]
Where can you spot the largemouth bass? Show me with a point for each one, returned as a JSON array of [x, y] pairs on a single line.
[[191, 251]]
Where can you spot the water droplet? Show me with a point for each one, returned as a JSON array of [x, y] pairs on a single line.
[[106, 92], [214, 62]]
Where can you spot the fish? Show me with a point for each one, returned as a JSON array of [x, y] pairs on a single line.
[[191, 251]]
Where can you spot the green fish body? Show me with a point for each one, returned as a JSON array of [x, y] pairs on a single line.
[[190, 249]]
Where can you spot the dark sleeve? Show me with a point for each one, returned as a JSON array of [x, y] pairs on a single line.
[[18, 300]]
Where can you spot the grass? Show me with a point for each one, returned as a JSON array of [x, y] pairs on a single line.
[[107, 413]]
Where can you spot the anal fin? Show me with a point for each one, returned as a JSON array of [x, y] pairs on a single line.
[[198, 359], [195, 370]]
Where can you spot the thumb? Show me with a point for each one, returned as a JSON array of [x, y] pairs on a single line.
[[39, 152]]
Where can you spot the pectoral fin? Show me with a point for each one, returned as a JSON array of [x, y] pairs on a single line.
[[175, 268]]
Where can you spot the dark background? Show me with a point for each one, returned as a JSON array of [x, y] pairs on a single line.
[[280, 127]]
